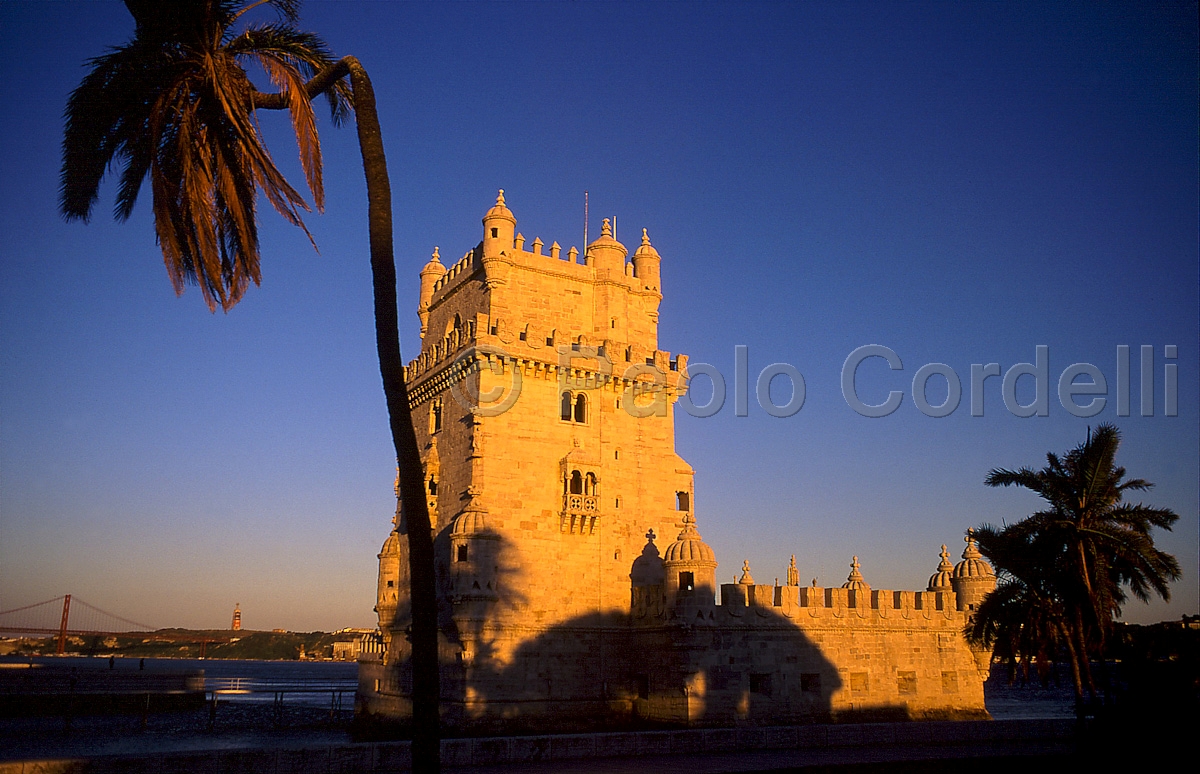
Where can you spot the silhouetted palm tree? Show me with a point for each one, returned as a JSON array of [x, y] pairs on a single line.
[[1089, 546], [175, 105]]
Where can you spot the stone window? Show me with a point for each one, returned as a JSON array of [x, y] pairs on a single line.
[[432, 486], [462, 553], [810, 682], [859, 682], [687, 581], [643, 686], [581, 408], [589, 484], [617, 452], [617, 503], [565, 408], [682, 501], [760, 683], [949, 682], [392, 584], [435, 419], [576, 482], [906, 683], [495, 233]]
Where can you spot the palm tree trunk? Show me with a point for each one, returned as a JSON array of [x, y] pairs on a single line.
[[1076, 677], [426, 746]]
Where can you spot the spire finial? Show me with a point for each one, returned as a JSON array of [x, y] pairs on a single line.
[[944, 565], [645, 238], [500, 198], [971, 551], [436, 257], [650, 535], [606, 229], [747, 579]]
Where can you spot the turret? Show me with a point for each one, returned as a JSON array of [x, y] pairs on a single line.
[[499, 228], [690, 566], [973, 578], [646, 263], [433, 271], [943, 579], [473, 549], [607, 253], [389, 582]]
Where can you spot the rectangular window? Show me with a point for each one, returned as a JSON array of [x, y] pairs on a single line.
[[760, 684], [643, 686], [391, 584], [687, 581], [810, 682], [858, 682], [462, 553], [906, 683]]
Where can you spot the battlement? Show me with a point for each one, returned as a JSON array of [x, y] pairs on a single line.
[[485, 340], [651, 605]]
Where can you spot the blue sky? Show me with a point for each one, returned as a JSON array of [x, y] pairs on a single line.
[[958, 182]]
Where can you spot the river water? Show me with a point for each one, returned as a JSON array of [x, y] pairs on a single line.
[[247, 716]]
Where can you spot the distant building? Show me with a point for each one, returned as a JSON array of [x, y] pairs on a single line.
[[558, 608], [237, 617], [367, 641]]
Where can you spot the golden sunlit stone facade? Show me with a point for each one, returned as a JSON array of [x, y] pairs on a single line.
[[544, 411]]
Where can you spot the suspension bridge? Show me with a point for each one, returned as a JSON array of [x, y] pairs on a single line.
[[68, 616]]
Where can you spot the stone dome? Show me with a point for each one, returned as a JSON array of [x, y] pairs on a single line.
[[646, 250], [689, 547], [391, 546], [606, 251], [972, 564], [855, 579], [469, 523], [498, 210], [434, 266], [940, 580]]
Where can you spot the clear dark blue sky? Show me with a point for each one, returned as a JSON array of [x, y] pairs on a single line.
[[960, 182]]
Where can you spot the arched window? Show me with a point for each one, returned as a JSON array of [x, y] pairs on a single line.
[[576, 482], [432, 485], [683, 501], [565, 411], [589, 484], [436, 416], [581, 408]]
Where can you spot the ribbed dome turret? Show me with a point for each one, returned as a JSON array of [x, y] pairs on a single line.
[[973, 578], [972, 564], [469, 522], [689, 547], [646, 263], [499, 226], [500, 211], [433, 271], [855, 579], [606, 252], [941, 580]]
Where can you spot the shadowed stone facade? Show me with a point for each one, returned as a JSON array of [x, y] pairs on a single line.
[[544, 410]]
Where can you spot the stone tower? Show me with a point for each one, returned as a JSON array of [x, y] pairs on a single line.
[[544, 412]]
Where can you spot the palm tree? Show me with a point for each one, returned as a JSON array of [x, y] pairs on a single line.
[[1091, 546], [175, 105], [1022, 618]]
